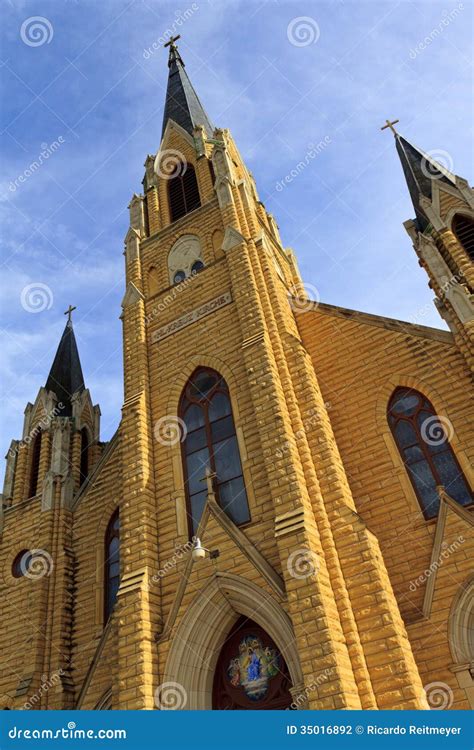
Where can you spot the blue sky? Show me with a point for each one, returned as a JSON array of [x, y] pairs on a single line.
[[280, 85]]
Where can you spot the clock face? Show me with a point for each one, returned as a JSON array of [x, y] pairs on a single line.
[[183, 257]]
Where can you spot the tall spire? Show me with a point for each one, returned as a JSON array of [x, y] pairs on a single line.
[[65, 377], [182, 103], [420, 169]]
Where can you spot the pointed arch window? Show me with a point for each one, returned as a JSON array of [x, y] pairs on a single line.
[[84, 466], [463, 228], [35, 464], [183, 191], [210, 441], [112, 564], [423, 441]]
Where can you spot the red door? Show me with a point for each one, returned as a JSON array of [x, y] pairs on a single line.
[[250, 673]]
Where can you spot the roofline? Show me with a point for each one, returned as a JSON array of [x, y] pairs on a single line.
[[392, 324]]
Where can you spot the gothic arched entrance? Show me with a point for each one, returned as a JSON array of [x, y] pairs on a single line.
[[250, 673], [204, 629]]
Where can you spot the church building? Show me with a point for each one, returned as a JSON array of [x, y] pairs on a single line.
[[283, 518]]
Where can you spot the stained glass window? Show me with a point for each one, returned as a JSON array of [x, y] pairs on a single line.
[[210, 442], [423, 441], [112, 564]]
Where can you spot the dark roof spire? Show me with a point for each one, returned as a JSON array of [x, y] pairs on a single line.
[[182, 103], [420, 170], [65, 377]]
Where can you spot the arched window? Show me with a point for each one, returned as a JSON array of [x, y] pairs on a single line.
[[84, 454], [112, 564], [210, 442], [463, 228], [423, 441], [34, 465], [183, 191]]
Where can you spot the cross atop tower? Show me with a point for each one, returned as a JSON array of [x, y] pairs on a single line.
[[68, 312], [390, 125], [174, 55], [171, 42]]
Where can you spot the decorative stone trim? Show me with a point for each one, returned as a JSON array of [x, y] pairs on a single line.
[[459, 617], [232, 238], [133, 581], [205, 626], [23, 686], [258, 338], [248, 548], [243, 543], [131, 295], [290, 523], [446, 503], [94, 662], [132, 245]]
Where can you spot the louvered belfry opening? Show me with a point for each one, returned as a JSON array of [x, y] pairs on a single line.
[[35, 464], [183, 191], [463, 228]]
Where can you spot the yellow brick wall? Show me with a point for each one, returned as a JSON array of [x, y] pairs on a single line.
[[358, 366], [309, 392]]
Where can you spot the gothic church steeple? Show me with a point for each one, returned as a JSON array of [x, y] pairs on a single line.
[[443, 237], [65, 378], [182, 104]]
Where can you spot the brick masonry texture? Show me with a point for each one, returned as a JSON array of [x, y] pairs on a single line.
[[309, 386]]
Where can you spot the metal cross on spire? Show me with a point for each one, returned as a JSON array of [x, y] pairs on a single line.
[[390, 124], [174, 52], [171, 42], [68, 312]]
